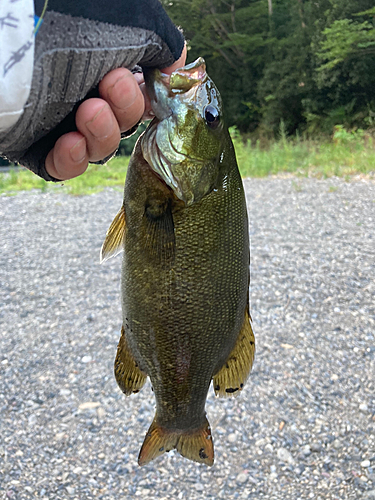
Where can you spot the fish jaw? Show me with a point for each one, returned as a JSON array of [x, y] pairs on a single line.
[[178, 145], [162, 87], [160, 163]]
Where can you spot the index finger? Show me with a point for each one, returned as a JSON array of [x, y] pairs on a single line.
[[177, 64]]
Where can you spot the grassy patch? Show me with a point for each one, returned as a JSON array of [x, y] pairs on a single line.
[[96, 178], [347, 154]]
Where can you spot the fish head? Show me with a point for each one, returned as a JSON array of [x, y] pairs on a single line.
[[184, 143]]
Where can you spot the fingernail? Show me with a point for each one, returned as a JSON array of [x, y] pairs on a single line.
[[101, 126], [122, 94], [78, 151]]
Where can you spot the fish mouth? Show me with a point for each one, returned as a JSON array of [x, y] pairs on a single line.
[[159, 146], [154, 156], [161, 87]]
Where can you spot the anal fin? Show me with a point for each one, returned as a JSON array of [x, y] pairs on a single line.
[[231, 378], [194, 444], [114, 239], [129, 377]]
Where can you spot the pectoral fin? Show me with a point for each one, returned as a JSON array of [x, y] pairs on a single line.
[[128, 375], [230, 379], [114, 240], [159, 237]]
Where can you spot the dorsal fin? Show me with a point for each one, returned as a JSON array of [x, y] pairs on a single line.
[[114, 240]]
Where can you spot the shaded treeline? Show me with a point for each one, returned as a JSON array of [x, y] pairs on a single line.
[[308, 63]]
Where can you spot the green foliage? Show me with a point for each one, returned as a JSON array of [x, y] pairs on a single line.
[[349, 153], [310, 64], [343, 39]]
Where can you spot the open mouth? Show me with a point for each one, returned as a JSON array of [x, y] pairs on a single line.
[[158, 161]]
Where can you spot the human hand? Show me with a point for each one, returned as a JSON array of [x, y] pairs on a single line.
[[100, 121]]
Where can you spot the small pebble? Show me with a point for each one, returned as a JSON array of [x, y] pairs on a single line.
[[86, 359], [336, 444], [285, 456], [363, 407], [232, 438], [306, 450], [70, 490], [65, 392], [242, 478], [365, 464], [316, 447]]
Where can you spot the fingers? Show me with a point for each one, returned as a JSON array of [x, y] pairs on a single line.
[[100, 123], [148, 114], [97, 123], [97, 137], [124, 101], [120, 88], [178, 64], [68, 158]]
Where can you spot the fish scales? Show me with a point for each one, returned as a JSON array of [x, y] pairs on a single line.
[[185, 281]]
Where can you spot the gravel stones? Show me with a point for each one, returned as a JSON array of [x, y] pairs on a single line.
[[68, 432], [285, 456], [242, 478]]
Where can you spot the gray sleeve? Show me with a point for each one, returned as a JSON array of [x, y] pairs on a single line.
[[72, 55]]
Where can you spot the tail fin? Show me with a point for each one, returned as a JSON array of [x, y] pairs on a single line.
[[157, 442], [195, 445], [198, 445]]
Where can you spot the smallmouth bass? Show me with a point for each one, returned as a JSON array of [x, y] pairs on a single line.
[[185, 277]]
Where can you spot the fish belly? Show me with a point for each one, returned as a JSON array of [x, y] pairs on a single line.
[[183, 309]]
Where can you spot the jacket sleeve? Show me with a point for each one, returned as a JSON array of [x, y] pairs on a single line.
[[76, 45]]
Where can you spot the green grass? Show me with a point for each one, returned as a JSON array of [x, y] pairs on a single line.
[[340, 157], [96, 178], [349, 153]]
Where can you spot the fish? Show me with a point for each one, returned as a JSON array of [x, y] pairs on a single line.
[[185, 276]]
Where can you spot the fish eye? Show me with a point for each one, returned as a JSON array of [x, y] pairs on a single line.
[[212, 116]]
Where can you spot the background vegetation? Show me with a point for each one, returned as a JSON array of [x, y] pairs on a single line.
[[346, 154], [310, 63], [297, 79]]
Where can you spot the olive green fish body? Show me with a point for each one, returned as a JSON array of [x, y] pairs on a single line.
[[185, 277], [183, 309]]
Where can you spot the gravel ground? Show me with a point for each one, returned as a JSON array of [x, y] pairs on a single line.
[[303, 428]]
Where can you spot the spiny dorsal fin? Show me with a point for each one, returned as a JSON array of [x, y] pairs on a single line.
[[128, 375], [230, 379], [114, 240]]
